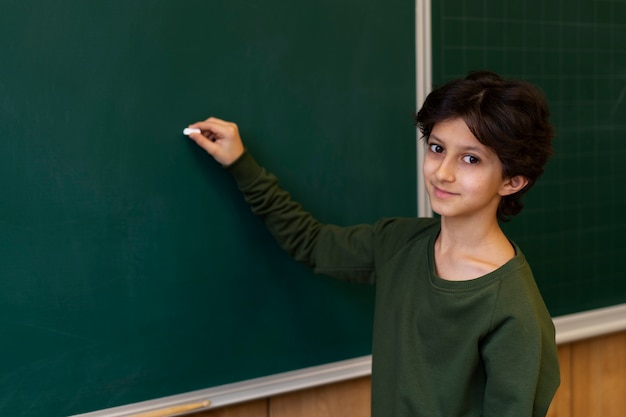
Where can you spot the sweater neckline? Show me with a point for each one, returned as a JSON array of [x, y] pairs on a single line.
[[467, 285]]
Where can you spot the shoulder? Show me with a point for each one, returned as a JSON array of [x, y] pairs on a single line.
[[406, 228], [517, 279], [519, 298], [394, 234]]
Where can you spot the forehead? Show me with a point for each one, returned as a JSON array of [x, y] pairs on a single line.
[[454, 131]]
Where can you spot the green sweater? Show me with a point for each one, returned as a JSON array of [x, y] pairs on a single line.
[[483, 347]]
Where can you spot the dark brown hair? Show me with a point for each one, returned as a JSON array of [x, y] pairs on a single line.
[[508, 116]]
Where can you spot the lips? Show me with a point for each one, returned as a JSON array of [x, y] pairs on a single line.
[[442, 194]]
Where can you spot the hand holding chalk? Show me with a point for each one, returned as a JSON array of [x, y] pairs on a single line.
[[218, 137]]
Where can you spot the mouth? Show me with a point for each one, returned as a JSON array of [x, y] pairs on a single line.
[[441, 193]]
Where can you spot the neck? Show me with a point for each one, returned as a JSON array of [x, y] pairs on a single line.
[[466, 250], [470, 235]]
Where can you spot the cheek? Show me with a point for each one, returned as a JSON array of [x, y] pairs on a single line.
[[484, 185], [428, 165]]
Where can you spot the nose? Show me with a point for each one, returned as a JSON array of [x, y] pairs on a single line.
[[445, 170]]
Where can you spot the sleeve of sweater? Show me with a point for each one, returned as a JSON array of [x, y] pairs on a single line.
[[341, 252], [520, 355]]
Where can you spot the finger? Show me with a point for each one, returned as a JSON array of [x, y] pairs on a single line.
[[210, 132], [205, 142]]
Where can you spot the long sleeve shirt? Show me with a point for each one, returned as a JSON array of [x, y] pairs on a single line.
[[482, 347]]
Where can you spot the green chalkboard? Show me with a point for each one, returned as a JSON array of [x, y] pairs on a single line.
[[130, 267], [572, 229]]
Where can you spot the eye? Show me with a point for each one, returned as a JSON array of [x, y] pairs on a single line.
[[471, 159], [436, 148]]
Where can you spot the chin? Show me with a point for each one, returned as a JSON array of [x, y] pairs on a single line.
[[441, 211], [445, 210]]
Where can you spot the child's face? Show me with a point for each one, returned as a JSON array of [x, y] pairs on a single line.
[[463, 177]]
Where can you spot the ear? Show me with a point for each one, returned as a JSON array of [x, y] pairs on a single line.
[[513, 185]]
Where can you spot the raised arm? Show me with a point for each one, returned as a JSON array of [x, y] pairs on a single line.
[[340, 252]]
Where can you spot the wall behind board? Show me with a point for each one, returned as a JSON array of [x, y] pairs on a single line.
[[130, 268], [572, 229]]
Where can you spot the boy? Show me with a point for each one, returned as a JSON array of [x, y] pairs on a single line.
[[460, 328]]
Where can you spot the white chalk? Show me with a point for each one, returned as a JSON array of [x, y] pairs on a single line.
[[190, 130]]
